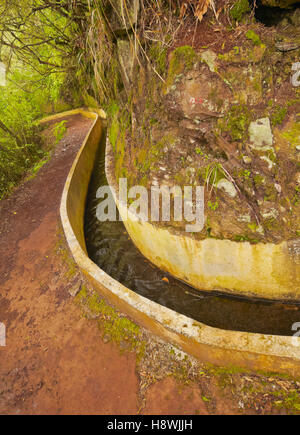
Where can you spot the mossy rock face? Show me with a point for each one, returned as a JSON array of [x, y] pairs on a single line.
[[181, 60], [229, 114], [284, 4]]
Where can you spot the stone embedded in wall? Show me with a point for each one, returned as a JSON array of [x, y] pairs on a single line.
[[210, 58], [227, 186], [124, 15], [260, 134], [127, 57], [202, 93]]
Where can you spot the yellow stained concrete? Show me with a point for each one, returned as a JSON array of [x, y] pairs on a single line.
[[264, 270], [253, 351]]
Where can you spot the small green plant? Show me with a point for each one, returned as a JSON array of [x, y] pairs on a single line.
[[38, 166], [278, 115], [205, 399], [59, 131], [213, 173], [213, 205], [245, 174], [253, 226], [253, 37]]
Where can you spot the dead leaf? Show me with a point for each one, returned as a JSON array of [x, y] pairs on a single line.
[[183, 10], [201, 8]]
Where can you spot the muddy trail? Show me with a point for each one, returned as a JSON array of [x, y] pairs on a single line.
[[56, 361]]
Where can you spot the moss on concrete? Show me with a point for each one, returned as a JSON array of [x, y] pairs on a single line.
[[113, 325]]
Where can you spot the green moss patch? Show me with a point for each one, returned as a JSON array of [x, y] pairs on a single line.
[[278, 115], [292, 135], [113, 325], [253, 37], [181, 58], [239, 10], [236, 122], [158, 55]]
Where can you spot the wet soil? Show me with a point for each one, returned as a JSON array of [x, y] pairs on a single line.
[[54, 361]]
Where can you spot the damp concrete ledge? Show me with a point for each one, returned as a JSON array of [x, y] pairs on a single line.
[[224, 348]]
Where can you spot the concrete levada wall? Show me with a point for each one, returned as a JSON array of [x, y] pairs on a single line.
[[211, 345], [264, 270]]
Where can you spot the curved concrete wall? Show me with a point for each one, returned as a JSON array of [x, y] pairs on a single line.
[[253, 351], [267, 270]]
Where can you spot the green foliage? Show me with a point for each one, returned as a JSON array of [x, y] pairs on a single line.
[[288, 400], [38, 50], [278, 115], [213, 205], [114, 127], [245, 173], [253, 37], [59, 131], [158, 54], [38, 33], [38, 166], [214, 173], [240, 8], [292, 134], [22, 102]]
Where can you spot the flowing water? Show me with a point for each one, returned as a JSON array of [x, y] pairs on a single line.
[[110, 247]]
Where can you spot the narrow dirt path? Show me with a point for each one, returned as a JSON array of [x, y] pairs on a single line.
[[54, 361]]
